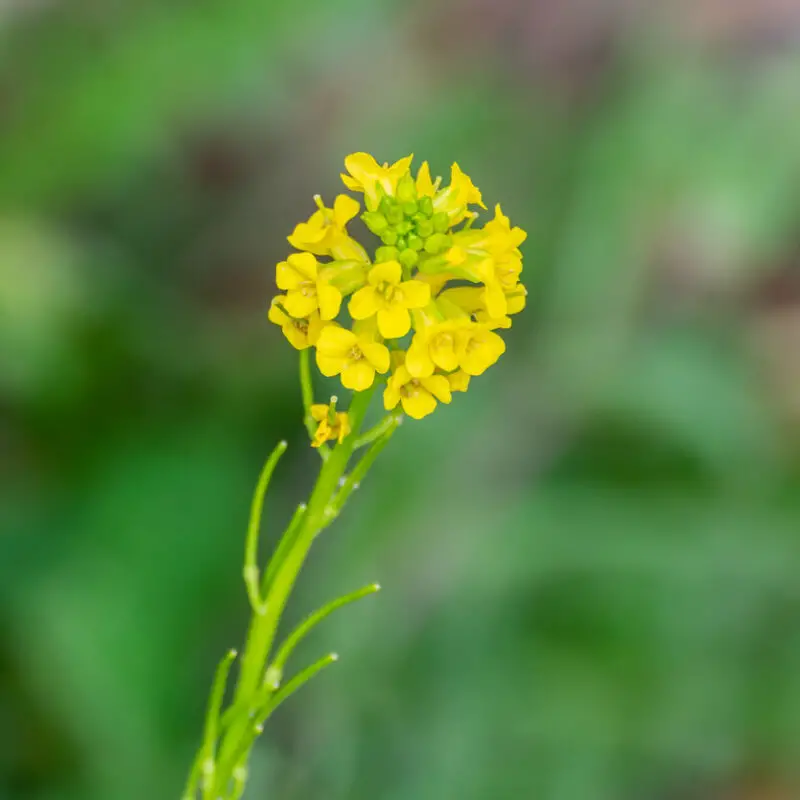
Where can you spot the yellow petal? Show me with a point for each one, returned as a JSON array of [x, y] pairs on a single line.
[[387, 272], [305, 264], [418, 360], [418, 404], [394, 321], [295, 335], [334, 340], [459, 381], [363, 167], [391, 397], [495, 300], [438, 386], [330, 299], [330, 365], [416, 294], [358, 375], [377, 354], [425, 186], [319, 411], [351, 183], [364, 303], [308, 237], [276, 314], [287, 277], [344, 209], [443, 350], [300, 305]]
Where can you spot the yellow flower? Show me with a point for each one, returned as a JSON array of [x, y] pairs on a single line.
[[301, 333], [355, 357], [458, 196], [432, 347], [390, 297], [306, 289], [479, 348], [459, 381], [366, 175], [332, 424], [324, 234], [418, 396]]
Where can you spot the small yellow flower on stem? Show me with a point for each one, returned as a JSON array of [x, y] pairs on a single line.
[[432, 347], [366, 175], [301, 333], [306, 289], [418, 396], [389, 297], [479, 349], [333, 424], [355, 357], [325, 235]]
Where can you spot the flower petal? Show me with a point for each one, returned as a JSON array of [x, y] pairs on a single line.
[[336, 341], [386, 272], [418, 404], [330, 365], [319, 411], [330, 300], [300, 305], [394, 321], [287, 277], [424, 182], [418, 359], [377, 354], [358, 375], [416, 294], [364, 303], [391, 397], [438, 386], [344, 209], [305, 264]]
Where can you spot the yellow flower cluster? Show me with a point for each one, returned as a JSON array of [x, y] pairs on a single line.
[[425, 309]]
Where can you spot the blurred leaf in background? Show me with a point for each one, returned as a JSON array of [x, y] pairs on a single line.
[[590, 566]]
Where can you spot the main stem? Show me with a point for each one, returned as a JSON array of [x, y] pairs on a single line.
[[263, 626]]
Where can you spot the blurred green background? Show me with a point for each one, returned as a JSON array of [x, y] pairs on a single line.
[[590, 560]]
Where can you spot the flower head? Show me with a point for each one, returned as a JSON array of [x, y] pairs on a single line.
[[437, 287]]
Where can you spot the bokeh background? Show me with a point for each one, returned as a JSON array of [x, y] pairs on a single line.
[[591, 561]]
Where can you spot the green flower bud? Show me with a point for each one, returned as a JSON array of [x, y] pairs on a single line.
[[406, 189], [441, 222], [389, 237], [409, 208], [426, 206], [437, 243], [383, 254], [408, 258], [424, 228], [401, 243], [404, 227], [415, 242], [395, 215], [386, 204], [375, 221]]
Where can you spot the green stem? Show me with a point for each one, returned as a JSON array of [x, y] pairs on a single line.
[[263, 627]]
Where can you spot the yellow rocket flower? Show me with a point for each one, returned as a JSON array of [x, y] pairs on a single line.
[[325, 235], [301, 333], [306, 289], [332, 424], [355, 357], [418, 396], [458, 196], [432, 347], [389, 297], [366, 175], [435, 284], [479, 348]]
